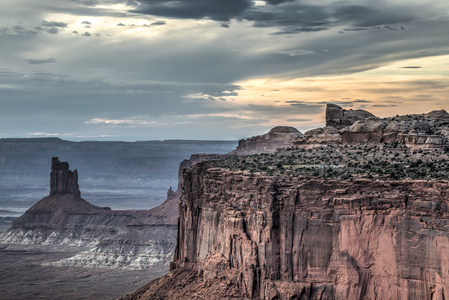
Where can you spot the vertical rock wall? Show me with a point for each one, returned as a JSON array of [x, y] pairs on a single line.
[[315, 239], [62, 180]]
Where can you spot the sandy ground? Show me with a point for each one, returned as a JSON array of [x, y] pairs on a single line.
[[22, 276]]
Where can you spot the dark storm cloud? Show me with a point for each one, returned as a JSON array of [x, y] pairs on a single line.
[[364, 16], [41, 61], [357, 29], [219, 10], [275, 2], [292, 17], [412, 67], [86, 34], [288, 16], [86, 23]]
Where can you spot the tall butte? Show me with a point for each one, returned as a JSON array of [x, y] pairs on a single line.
[[62, 180]]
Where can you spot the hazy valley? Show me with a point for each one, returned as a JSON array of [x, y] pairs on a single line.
[[107, 254]]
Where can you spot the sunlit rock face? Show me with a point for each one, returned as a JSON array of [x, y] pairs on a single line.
[[277, 137], [263, 238]]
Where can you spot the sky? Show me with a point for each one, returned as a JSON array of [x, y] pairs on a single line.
[[214, 69]]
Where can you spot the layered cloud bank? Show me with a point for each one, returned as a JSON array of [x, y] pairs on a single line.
[[205, 69]]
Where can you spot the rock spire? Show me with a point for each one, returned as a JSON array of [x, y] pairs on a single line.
[[62, 180]]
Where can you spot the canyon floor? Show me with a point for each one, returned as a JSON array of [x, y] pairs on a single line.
[[25, 276]]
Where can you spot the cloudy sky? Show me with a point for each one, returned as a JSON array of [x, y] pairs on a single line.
[[213, 69]]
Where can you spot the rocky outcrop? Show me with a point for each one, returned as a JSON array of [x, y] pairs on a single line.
[[419, 131], [339, 118], [278, 137], [415, 131], [310, 238], [104, 238]]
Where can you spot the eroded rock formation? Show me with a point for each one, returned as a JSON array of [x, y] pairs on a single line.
[[250, 236], [339, 118], [62, 180], [104, 238], [417, 131], [278, 137]]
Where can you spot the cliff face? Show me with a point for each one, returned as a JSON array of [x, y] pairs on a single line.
[[62, 180], [310, 238], [323, 239]]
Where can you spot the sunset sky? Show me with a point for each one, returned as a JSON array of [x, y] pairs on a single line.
[[214, 69]]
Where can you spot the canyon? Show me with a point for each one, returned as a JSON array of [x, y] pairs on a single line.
[[69, 248], [359, 211]]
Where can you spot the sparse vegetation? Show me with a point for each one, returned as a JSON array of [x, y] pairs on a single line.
[[375, 162]]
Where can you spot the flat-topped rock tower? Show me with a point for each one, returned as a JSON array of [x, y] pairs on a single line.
[[62, 180]]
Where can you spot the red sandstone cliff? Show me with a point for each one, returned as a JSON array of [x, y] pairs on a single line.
[[245, 235]]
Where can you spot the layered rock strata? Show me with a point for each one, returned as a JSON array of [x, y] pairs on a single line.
[[250, 236], [427, 131]]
